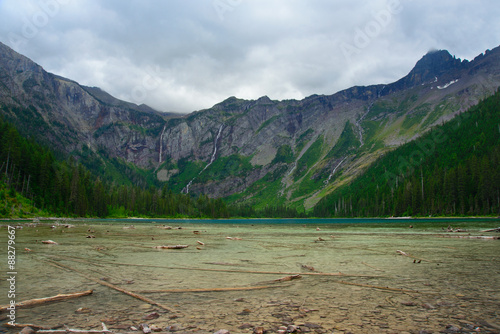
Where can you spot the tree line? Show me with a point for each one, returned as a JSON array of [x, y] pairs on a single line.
[[67, 188], [452, 170]]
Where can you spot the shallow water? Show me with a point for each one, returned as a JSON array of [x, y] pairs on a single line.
[[445, 281]]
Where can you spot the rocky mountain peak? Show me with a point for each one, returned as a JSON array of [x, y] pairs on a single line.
[[434, 64], [264, 100]]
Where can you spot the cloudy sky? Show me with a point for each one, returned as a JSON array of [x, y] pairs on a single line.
[[187, 55]]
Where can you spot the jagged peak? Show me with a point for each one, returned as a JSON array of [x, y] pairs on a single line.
[[436, 61], [264, 100], [230, 102], [433, 51], [432, 65]]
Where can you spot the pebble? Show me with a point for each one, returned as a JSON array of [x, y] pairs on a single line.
[[145, 329], [83, 310], [452, 329], [28, 330], [155, 328], [258, 330], [311, 325], [151, 316], [428, 306], [222, 331], [459, 316], [172, 328]]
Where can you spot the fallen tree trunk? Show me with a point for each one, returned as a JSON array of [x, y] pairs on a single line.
[[40, 301], [411, 256], [274, 272], [288, 278], [209, 289], [482, 237], [49, 242], [42, 330], [232, 270], [70, 330], [21, 326], [112, 286], [171, 247], [492, 230]]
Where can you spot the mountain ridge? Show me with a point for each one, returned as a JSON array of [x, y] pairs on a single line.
[[246, 138]]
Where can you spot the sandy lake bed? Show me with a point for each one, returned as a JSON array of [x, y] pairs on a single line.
[[257, 276]]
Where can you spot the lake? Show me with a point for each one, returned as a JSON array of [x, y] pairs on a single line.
[[349, 275]]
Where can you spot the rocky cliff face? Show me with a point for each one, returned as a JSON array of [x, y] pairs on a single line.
[[259, 151], [328, 139], [69, 116]]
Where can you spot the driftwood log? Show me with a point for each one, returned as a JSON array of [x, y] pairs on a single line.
[[400, 252], [112, 286], [482, 237], [21, 326], [43, 330], [171, 247], [209, 289], [492, 230], [40, 301], [226, 270], [240, 271], [49, 242], [288, 278], [307, 267]]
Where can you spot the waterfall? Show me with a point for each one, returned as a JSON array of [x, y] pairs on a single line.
[[212, 159], [161, 144], [333, 172], [186, 188], [360, 128]]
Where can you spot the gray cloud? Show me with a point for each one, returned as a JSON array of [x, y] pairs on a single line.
[[183, 56]]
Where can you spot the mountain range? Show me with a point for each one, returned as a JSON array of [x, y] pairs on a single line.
[[253, 152]]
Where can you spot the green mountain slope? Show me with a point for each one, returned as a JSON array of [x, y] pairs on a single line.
[[249, 152], [451, 170], [33, 182]]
